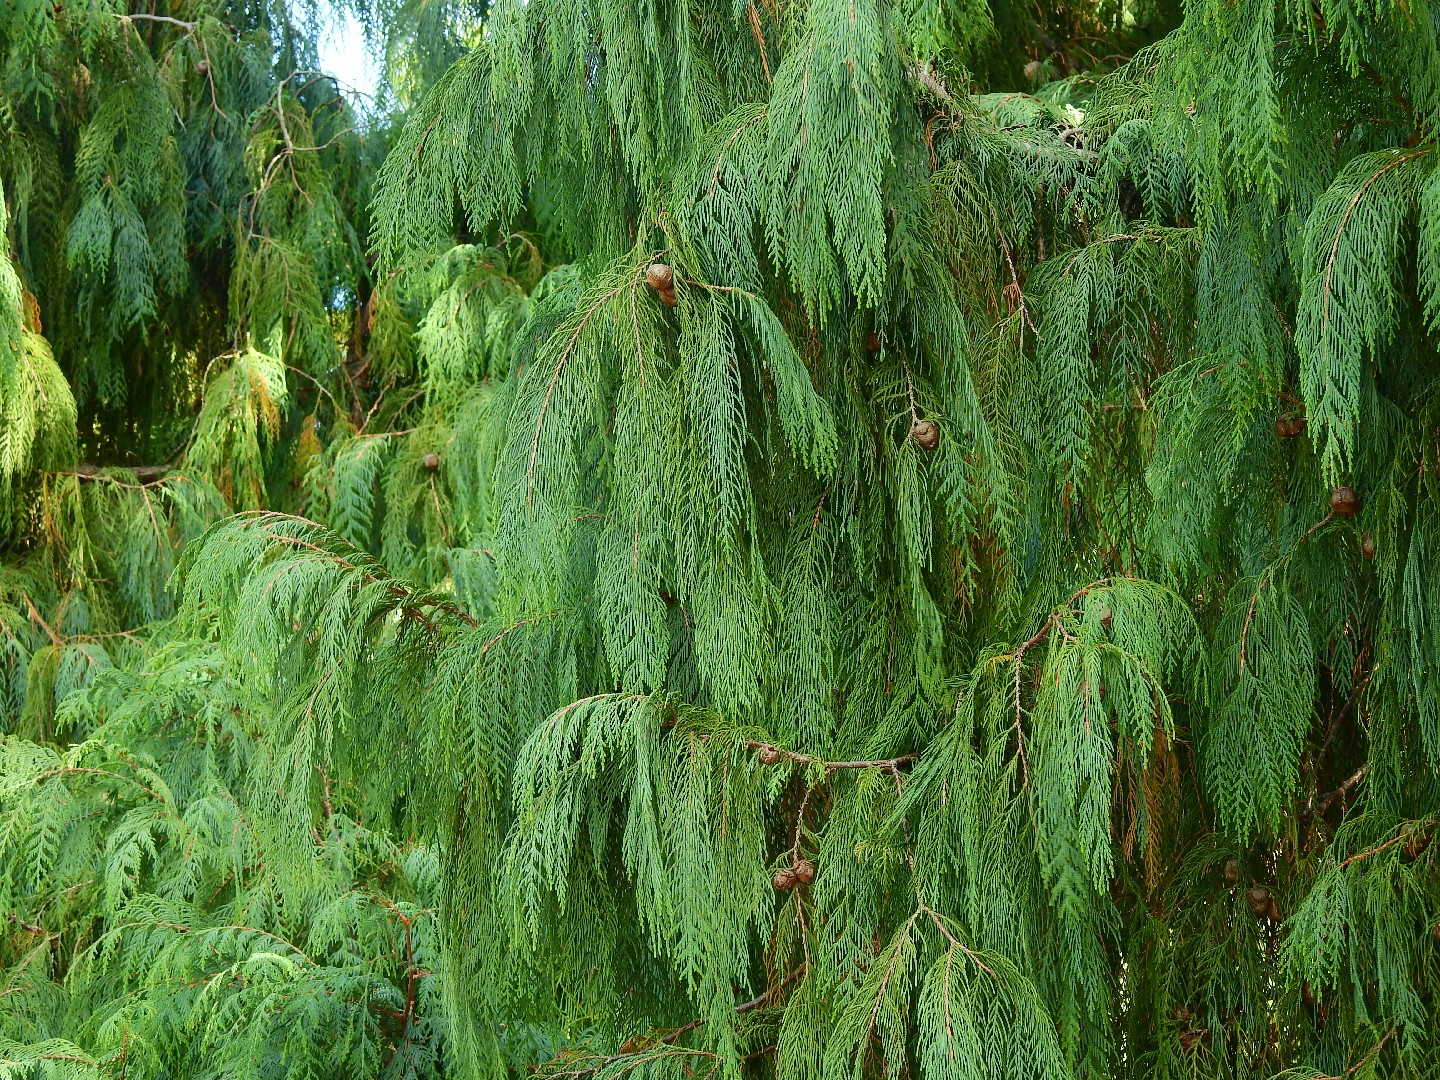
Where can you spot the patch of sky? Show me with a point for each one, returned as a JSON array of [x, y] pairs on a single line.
[[346, 55]]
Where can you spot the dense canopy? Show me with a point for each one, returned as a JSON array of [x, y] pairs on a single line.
[[737, 538]]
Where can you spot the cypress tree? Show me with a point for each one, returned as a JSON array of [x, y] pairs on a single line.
[[186, 307], [834, 539]]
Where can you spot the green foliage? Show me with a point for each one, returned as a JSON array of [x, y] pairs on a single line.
[[225, 941], [1349, 302], [239, 419], [37, 409], [838, 540]]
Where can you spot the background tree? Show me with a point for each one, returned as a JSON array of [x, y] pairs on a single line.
[[185, 307], [896, 542]]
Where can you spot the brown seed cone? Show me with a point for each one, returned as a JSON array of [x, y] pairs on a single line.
[[1259, 898], [668, 297], [432, 460], [804, 871], [1308, 995], [1436, 931], [659, 277], [1182, 1014], [1189, 1038], [769, 755], [1231, 871], [1367, 546], [202, 68], [872, 342], [1272, 912], [1287, 427], [1107, 618], [784, 879], [1344, 501], [926, 434]]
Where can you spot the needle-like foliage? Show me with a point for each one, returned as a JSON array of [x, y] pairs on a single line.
[[780, 538]]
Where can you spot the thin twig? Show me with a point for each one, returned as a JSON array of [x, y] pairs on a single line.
[[1373, 851], [1323, 802], [188, 27], [888, 764], [1364, 1060]]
